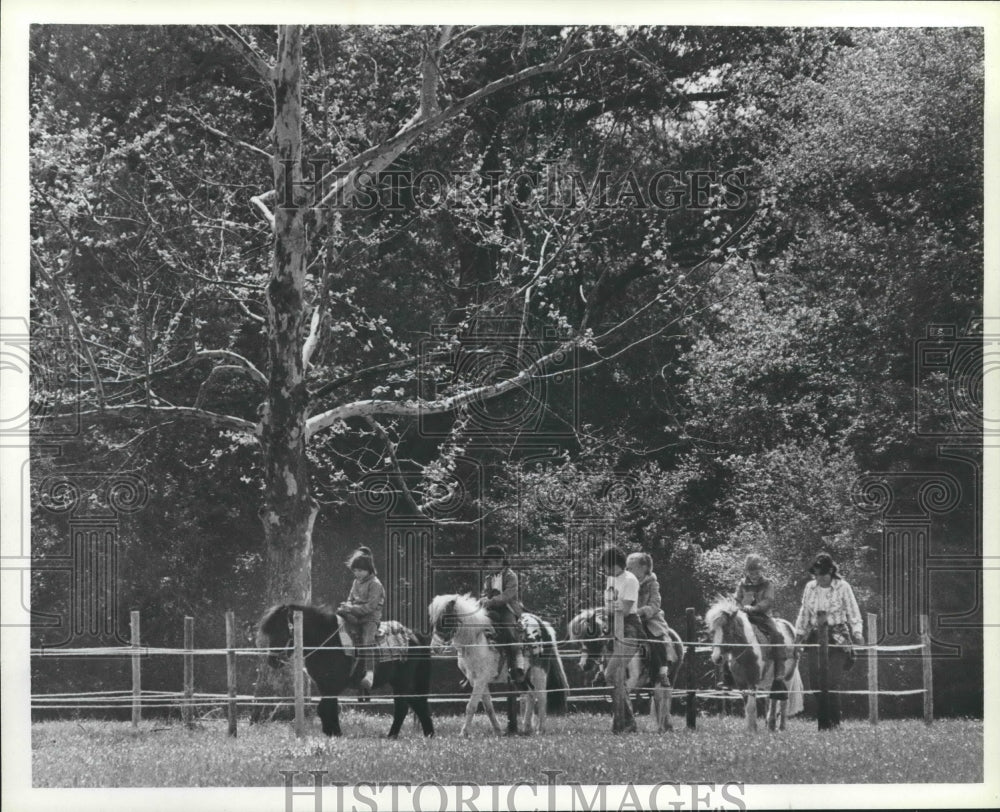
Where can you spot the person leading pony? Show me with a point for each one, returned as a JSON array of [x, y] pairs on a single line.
[[829, 593]]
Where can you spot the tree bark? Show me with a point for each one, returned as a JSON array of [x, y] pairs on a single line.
[[288, 510]]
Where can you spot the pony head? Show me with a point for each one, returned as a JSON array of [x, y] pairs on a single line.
[[450, 615], [274, 631], [589, 628], [728, 623]]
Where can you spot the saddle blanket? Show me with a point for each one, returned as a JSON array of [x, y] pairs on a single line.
[[392, 640], [534, 637]]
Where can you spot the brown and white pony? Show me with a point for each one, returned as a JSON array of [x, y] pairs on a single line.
[[591, 630], [460, 621], [734, 637]]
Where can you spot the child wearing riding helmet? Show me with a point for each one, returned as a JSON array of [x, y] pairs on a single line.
[[501, 599], [755, 594], [650, 613], [362, 611]]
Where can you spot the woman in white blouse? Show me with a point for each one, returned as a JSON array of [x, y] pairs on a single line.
[[829, 593]]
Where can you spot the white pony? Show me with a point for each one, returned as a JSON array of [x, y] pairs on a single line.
[[460, 621], [591, 629], [731, 632]]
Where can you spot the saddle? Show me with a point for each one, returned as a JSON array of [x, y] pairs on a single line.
[[392, 640]]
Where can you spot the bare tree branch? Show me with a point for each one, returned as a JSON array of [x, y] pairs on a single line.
[[312, 340], [258, 202], [175, 412], [226, 136], [418, 406], [254, 57], [67, 309], [376, 158]]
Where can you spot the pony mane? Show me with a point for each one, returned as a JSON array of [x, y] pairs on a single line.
[[466, 607], [724, 607], [274, 622], [581, 622]]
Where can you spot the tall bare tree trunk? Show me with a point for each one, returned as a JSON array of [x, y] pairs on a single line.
[[288, 511]]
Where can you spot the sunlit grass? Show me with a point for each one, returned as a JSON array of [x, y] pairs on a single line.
[[111, 754]]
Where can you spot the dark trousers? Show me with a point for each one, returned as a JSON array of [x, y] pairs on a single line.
[[364, 633], [507, 630], [656, 657], [827, 707], [766, 624]]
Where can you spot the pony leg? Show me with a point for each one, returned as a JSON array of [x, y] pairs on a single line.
[[782, 713], [750, 710], [470, 708], [661, 707], [329, 714], [512, 715], [490, 713], [527, 711], [423, 714], [772, 710], [399, 708], [539, 679]]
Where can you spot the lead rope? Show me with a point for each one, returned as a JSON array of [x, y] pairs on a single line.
[[313, 649]]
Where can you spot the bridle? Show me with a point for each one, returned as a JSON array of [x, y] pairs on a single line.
[[290, 642], [743, 649]]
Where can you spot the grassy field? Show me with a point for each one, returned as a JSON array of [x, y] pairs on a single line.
[[111, 754]]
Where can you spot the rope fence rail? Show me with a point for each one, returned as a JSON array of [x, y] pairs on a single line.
[[188, 699], [699, 646]]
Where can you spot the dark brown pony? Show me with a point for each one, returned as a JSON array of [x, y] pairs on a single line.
[[332, 669]]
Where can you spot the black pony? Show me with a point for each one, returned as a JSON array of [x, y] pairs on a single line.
[[333, 670]]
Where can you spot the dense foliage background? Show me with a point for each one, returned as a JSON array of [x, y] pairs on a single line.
[[740, 366]]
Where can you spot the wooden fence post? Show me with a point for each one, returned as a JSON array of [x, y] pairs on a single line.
[[691, 711], [231, 671], [136, 671], [622, 719], [187, 707], [823, 699], [925, 638], [298, 663], [872, 668]]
